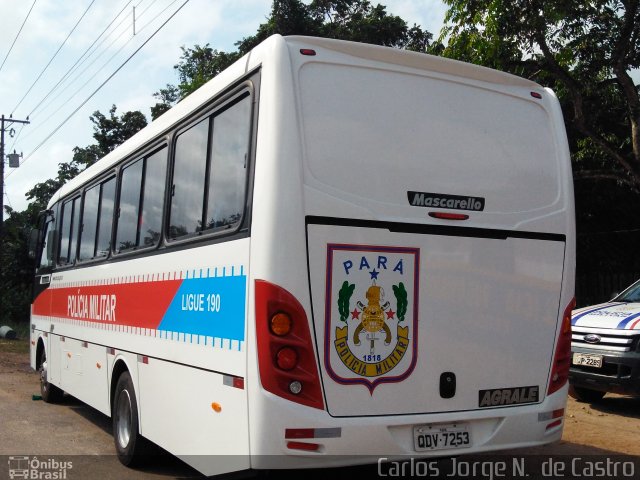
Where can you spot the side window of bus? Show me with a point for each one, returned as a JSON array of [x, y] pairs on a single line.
[[105, 217], [227, 174], [141, 202], [189, 172], [97, 217], [89, 223], [200, 201], [69, 232]]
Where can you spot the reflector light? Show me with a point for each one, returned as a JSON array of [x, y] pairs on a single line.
[[216, 407], [448, 216], [309, 447], [281, 324], [307, 51], [335, 432], [299, 433], [287, 358], [536, 95], [546, 416], [554, 424], [238, 382]]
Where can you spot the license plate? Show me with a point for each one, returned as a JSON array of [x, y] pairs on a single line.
[[440, 437], [588, 360]]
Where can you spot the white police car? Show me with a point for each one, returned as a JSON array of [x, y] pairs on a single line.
[[605, 347]]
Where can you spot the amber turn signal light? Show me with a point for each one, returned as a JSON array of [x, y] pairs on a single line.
[[280, 324]]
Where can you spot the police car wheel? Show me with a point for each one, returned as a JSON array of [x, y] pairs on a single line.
[[130, 445], [586, 395]]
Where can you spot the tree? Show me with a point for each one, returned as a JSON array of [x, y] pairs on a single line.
[[109, 132], [585, 50], [16, 269], [168, 96], [355, 20]]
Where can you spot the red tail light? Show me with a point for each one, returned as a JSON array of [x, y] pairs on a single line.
[[562, 358], [286, 359]]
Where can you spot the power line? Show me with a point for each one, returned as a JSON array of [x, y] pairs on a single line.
[[54, 56], [70, 70], [79, 75], [77, 91], [103, 83], [18, 34]]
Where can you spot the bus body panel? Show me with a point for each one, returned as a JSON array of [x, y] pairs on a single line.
[[533, 276], [482, 309], [335, 165], [171, 338]]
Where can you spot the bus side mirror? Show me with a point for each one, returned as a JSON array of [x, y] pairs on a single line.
[[34, 235]]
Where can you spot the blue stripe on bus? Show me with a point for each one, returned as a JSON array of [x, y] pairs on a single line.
[[193, 311]]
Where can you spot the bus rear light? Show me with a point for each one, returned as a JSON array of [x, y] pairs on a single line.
[[562, 358], [281, 324], [308, 52], [287, 363], [287, 358], [449, 216], [307, 447]]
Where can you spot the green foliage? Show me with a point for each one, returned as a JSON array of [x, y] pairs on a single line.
[[168, 96], [583, 50], [355, 20], [16, 269]]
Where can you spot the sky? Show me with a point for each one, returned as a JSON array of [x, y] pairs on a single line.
[[28, 76]]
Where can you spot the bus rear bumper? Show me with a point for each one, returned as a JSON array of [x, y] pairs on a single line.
[[350, 441]]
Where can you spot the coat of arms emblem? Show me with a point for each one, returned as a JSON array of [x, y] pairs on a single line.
[[371, 313]]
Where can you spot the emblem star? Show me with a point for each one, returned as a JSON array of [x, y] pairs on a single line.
[[374, 274], [390, 314], [355, 314]]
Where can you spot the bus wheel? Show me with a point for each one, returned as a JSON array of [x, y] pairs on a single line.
[[49, 393], [585, 395], [130, 445]]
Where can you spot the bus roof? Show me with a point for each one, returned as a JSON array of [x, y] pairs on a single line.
[[258, 56]]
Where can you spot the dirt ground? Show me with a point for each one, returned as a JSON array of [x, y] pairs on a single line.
[[31, 427]]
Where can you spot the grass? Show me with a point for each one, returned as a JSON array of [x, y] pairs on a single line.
[[21, 344]]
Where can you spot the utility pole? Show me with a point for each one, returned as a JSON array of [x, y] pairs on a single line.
[[4, 124]]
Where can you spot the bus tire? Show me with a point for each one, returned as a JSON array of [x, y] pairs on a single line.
[[130, 445], [586, 395], [49, 393]]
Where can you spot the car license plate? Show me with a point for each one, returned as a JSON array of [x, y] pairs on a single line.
[[588, 360], [440, 437]]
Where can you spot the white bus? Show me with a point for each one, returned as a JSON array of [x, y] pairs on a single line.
[[331, 251]]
